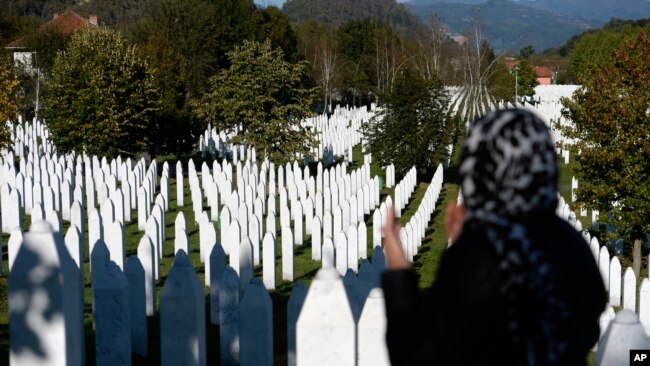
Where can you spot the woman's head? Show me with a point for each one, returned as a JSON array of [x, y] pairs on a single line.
[[508, 165]]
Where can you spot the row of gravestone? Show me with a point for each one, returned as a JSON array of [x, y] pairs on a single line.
[[629, 328], [403, 191], [336, 136], [157, 226], [51, 332]]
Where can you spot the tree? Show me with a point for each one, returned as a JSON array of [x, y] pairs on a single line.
[[501, 83], [526, 52], [101, 98], [611, 131], [8, 102], [262, 98], [319, 47], [526, 79], [413, 127]]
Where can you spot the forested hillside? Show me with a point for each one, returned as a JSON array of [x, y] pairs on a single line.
[[335, 12], [508, 26]]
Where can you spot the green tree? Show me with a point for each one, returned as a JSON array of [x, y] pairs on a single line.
[[261, 96], [101, 98], [526, 79], [413, 128], [501, 83], [593, 50], [8, 102], [612, 137], [526, 52]]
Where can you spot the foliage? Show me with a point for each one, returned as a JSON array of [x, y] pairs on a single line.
[[612, 133], [102, 97], [8, 102], [262, 98], [501, 83], [47, 41], [593, 50], [413, 126], [526, 52], [526, 79], [274, 25]]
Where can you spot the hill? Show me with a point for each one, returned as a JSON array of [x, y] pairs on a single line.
[[335, 12], [596, 12], [508, 26]]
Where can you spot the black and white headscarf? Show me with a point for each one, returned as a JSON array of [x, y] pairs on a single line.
[[508, 178]]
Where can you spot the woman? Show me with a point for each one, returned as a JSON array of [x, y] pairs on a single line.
[[519, 286]]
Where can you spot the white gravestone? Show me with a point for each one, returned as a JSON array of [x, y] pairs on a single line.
[[644, 305], [39, 335], [615, 282], [287, 254], [624, 333], [217, 267], [256, 326], [146, 255], [112, 316], [603, 265], [341, 249], [268, 261], [182, 316], [180, 241], [294, 305], [372, 332], [316, 239], [325, 331], [245, 261], [135, 274], [362, 240], [229, 318], [328, 253], [353, 249], [115, 242], [629, 290]]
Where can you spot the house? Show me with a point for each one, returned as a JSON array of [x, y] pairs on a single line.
[[66, 23], [544, 75], [460, 39]]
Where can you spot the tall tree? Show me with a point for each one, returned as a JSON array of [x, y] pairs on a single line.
[[413, 127], [501, 83], [318, 44], [8, 102], [526, 79], [612, 137], [261, 97], [102, 98]]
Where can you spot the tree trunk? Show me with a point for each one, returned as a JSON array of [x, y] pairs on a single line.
[[636, 257]]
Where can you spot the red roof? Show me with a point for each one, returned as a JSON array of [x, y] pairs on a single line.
[[66, 23], [510, 64], [543, 72]]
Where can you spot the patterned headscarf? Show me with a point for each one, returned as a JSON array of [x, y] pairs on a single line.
[[509, 178]]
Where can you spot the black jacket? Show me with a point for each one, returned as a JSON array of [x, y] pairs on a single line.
[[461, 319]]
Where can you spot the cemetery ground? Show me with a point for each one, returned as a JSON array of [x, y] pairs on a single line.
[[426, 264]]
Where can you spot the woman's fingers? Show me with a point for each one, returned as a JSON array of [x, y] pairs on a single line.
[[392, 245]]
